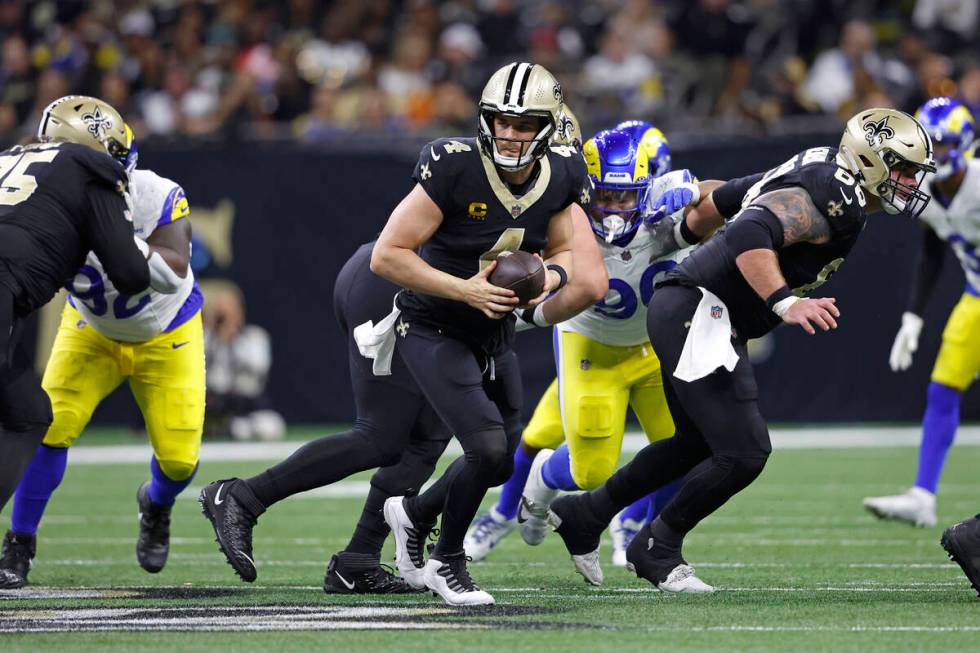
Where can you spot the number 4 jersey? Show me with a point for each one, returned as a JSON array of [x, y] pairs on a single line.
[[483, 216], [157, 201]]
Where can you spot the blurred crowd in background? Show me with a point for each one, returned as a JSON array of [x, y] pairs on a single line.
[[319, 71]]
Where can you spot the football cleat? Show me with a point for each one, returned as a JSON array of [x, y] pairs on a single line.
[[153, 543], [16, 559], [662, 565], [360, 573], [485, 533], [532, 514], [681, 580], [233, 510], [962, 544], [409, 541], [450, 579], [916, 506], [623, 531], [580, 530]]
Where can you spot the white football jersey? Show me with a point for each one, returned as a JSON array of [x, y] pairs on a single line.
[[620, 319], [959, 223], [157, 201]]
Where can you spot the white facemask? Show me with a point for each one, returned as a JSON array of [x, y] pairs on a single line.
[[613, 225]]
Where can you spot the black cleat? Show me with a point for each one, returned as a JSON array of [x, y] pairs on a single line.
[[153, 543], [571, 518], [233, 510], [650, 559], [962, 544], [15, 561], [361, 573]]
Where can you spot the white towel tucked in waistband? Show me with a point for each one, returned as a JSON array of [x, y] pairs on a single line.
[[377, 341], [708, 345]]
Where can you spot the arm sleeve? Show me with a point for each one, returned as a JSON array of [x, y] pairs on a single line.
[[728, 196], [756, 228], [926, 272], [111, 238]]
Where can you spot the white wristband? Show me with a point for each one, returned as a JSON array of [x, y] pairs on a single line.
[[141, 246], [537, 316], [780, 307]]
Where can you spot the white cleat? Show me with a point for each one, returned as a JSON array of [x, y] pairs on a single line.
[[916, 506], [588, 565], [622, 531], [450, 580], [485, 533], [408, 542], [532, 514], [681, 579]]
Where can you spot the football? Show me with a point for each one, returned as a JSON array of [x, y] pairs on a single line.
[[521, 272]]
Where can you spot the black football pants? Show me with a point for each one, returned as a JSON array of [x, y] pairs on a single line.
[[479, 399], [717, 423], [25, 410]]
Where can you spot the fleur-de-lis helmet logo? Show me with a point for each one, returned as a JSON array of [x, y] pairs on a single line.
[[876, 132], [96, 123]]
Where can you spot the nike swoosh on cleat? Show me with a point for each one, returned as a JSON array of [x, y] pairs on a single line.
[[217, 495], [349, 585], [246, 557], [178, 345]]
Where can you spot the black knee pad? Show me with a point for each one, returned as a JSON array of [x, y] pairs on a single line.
[[745, 468], [487, 450]]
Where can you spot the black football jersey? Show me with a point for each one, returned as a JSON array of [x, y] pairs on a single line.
[[482, 216], [58, 201], [806, 266]]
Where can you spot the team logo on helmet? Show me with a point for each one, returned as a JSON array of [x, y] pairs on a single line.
[[876, 132], [96, 123], [557, 91]]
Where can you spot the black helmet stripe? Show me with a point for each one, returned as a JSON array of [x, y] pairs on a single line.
[[517, 83], [510, 82]]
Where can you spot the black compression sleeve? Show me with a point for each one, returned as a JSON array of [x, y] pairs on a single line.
[[926, 272], [756, 228], [728, 196], [111, 238]]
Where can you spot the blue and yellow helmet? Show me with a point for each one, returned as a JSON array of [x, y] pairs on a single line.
[[130, 155], [948, 122], [653, 141], [619, 169]]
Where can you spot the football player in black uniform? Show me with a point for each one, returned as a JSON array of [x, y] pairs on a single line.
[[348, 571], [59, 199], [393, 418], [508, 189], [790, 229]]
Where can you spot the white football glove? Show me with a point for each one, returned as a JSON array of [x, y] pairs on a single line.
[[671, 192], [906, 342]]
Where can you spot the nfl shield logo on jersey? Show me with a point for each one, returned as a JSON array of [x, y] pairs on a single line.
[[716, 312], [515, 210]]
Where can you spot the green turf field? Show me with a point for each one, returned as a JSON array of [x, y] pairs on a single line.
[[798, 564]]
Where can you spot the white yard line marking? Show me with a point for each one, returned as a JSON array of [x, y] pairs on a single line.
[[830, 437]]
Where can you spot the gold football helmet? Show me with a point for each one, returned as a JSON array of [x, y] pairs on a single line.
[[88, 121], [520, 89], [878, 142]]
